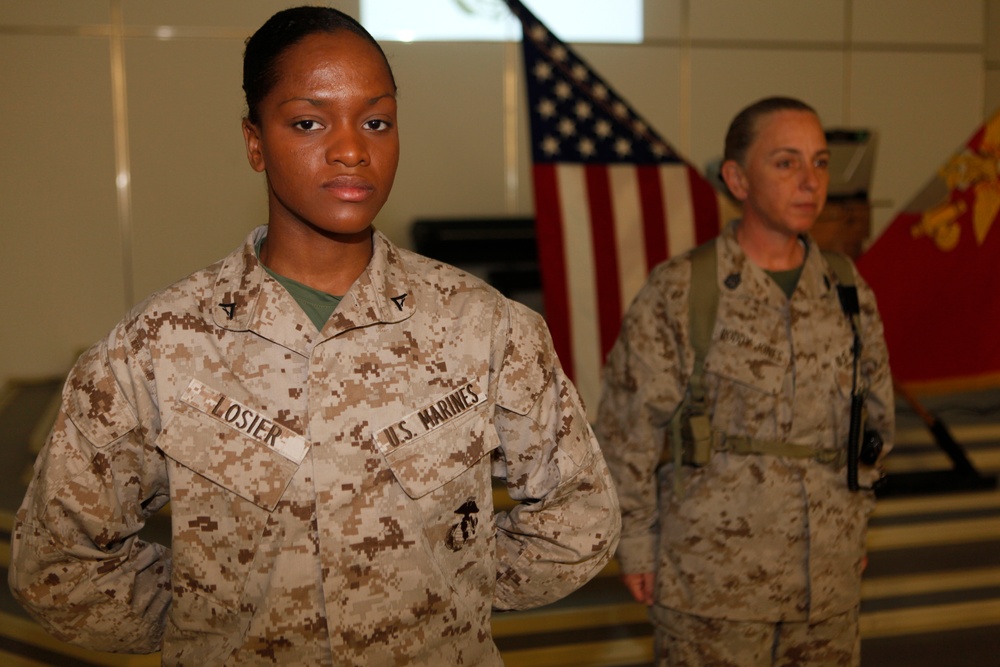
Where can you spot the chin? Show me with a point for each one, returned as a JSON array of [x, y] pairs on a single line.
[[343, 229], [801, 225]]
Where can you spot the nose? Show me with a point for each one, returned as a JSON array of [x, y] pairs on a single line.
[[811, 178], [347, 146]]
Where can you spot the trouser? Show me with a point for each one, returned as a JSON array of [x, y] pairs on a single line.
[[683, 640]]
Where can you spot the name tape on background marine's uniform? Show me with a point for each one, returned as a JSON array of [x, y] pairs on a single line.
[[246, 420]]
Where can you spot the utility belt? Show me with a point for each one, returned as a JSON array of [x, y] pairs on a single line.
[[698, 441]]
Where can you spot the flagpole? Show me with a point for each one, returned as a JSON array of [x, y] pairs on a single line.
[[962, 476], [512, 140], [685, 78]]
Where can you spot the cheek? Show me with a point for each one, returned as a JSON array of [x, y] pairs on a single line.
[[292, 165], [387, 162], [779, 192]]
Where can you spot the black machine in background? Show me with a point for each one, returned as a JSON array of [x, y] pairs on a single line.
[[501, 251]]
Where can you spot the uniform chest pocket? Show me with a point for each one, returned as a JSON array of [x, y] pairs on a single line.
[[425, 462], [232, 445], [754, 363]]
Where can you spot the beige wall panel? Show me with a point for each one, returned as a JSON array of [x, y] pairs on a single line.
[[786, 20], [992, 31], [451, 134], [924, 107], [215, 13], [54, 12], [918, 21], [193, 194], [61, 258], [662, 19], [991, 105], [725, 81]]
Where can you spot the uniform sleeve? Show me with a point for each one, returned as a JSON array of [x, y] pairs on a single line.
[[880, 405], [77, 565], [566, 524], [642, 386]]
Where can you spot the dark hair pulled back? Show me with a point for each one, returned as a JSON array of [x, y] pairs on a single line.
[[743, 130], [265, 47]]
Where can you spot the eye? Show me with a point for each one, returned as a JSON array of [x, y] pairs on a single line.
[[307, 125], [377, 124], [823, 163]]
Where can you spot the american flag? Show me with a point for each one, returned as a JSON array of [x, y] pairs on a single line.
[[612, 200]]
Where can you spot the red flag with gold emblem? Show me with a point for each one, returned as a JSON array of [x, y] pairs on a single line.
[[936, 273]]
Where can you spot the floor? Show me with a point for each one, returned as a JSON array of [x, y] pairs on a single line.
[[931, 595]]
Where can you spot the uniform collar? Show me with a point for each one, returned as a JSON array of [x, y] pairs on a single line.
[[247, 299], [741, 277], [381, 294]]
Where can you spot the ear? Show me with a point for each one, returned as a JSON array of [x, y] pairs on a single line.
[[736, 179], [251, 135]]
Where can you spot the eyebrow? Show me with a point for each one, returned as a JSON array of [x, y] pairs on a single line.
[[783, 149], [319, 103]]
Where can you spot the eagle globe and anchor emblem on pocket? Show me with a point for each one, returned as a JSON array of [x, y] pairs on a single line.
[[465, 529]]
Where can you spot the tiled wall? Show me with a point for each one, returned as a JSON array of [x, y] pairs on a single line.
[[124, 168]]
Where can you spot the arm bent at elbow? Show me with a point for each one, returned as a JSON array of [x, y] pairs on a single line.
[[567, 523], [77, 564]]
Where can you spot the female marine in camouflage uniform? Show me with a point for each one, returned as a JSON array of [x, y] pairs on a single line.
[[328, 467], [751, 555]]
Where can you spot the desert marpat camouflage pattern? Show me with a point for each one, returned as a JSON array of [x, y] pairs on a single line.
[[747, 537], [330, 491]]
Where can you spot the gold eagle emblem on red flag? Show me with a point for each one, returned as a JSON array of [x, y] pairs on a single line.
[[975, 170]]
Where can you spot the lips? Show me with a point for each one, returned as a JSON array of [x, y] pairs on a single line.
[[349, 188]]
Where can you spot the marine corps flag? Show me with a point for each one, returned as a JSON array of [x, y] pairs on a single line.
[[936, 276], [612, 199]]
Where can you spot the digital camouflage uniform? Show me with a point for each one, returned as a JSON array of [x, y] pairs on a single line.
[[330, 492], [748, 537]]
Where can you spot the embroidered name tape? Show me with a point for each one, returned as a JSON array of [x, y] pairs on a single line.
[[432, 416], [740, 339], [247, 421]]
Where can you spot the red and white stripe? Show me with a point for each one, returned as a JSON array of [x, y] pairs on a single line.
[[601, 229]]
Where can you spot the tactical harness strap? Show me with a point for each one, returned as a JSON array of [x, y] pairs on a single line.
[[692, 438]]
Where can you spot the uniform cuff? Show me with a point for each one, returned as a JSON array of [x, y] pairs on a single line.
[[637, 554]]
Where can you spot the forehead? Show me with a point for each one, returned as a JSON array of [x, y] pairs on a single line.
[[792, 129], [341, 52]]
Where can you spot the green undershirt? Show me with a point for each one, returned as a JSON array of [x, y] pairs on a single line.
[[787, 280], [319, 306]]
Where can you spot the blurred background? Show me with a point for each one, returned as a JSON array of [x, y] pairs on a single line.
[[122, 169]]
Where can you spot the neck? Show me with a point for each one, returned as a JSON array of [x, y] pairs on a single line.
[[324, 262], [770, 250]]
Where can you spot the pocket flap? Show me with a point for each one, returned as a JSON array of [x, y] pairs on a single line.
[[430, 461], [748, 359], [233, 446]]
